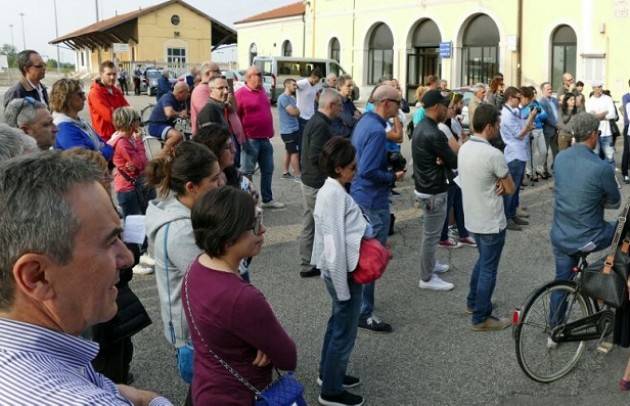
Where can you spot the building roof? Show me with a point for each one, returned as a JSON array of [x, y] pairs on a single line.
[[293, 9], [100, 29]]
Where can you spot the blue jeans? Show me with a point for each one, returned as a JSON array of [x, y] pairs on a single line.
[[130, 203], [340, 336], [454, 201], [484, 275], [379, 218], [510, 202], [605, 149], [565, 262], [261, 151]]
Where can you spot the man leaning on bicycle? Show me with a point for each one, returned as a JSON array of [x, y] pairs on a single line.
[[585, 185]]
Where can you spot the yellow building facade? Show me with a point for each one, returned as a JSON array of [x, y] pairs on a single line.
[[171, 33], [462, 41]]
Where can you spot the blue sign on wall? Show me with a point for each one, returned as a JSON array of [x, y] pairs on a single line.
[[446, 49]]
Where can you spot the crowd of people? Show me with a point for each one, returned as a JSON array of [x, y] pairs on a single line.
[[65, 268]]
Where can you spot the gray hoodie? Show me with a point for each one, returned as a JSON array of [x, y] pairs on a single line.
[[182, 251]]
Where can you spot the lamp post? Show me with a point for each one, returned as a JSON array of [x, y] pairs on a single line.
[[57, 34], [23, 34]]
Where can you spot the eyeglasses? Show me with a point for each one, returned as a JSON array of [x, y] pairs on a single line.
[[221, 87], [26, 100], [39, 66]]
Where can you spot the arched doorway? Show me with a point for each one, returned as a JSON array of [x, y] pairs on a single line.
[[423, 55], [563, 54], [480, 50], [380, 53], [287, 48], [253, 52], [334, 49]]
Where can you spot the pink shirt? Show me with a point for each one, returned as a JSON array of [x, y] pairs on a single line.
[[127, 150], [254, 110], [198, 100]]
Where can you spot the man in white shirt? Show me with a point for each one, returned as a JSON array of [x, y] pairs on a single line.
[[307, 89], [484, 178], [603, 108]]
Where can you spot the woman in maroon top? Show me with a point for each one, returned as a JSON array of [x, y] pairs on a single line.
[[226, 314]]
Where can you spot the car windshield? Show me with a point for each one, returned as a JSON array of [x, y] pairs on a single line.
[[153, 74]]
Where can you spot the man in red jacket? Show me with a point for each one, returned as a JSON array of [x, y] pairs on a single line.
[[103, 99]]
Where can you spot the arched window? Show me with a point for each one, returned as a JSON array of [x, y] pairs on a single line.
[[380, 53], [253, 52], [423, 55], [287, 49], [563, 54], [334, 50], [480, 50]]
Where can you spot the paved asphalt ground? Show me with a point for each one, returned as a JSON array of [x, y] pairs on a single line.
[[432, 357]]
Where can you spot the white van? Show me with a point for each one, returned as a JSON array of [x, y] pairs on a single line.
[[276, 69]]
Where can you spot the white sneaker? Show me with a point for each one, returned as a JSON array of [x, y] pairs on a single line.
[[551, 345], [436, 283], [440, 268], [146, 260], [142, 270], [272, 204]]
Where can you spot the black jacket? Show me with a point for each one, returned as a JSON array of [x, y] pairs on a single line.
[[23, 89], [427, 145], [316, 133]]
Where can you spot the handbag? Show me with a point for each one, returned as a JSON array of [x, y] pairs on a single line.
[[373, 260], [139, 188], [605, 280], [186, 353], [284, 391]]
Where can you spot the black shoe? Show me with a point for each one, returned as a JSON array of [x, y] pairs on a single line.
[[520, 221], [348, 381], [546, 175], [345, 398], [374, 324], [310, 273], [511, 225]]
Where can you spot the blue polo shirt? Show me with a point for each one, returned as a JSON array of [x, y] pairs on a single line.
[[288, 123], [372, 182], [584, 186]]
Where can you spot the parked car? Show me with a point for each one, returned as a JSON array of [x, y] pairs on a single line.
[[151, 77], [276, 69]]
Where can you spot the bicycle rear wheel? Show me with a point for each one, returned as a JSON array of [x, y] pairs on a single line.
[[542, 359]]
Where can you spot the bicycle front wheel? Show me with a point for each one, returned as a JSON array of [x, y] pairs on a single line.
[[555, 304]]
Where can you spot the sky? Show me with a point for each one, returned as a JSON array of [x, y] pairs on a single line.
[[39, 17]]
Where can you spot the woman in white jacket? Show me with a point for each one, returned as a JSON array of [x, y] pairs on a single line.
[[339, 229]]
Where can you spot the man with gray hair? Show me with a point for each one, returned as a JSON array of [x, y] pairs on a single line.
[[580, 199], [59, 265], [32, 117], [479, 96], [33, 69], [316, 133], [201, 92], [14, 142]]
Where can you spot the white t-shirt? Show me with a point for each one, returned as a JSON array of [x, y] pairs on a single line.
[[599, 105], [306, 98], [480, 165]]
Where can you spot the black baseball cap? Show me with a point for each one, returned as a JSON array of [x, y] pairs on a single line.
[[433, 97]]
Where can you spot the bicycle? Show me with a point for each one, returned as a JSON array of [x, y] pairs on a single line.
[[561, 336]]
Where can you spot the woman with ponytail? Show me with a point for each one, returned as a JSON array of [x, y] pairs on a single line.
[[180, 181]]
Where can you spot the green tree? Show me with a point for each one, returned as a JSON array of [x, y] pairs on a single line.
[[10, 51]]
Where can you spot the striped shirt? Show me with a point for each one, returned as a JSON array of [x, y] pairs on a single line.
[[39, 366]]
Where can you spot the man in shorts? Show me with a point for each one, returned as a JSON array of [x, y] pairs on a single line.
[[288, 114], [171, 106]]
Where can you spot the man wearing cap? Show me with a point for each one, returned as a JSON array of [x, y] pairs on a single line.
[[602, 107], [373, 181], [433, 162]]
